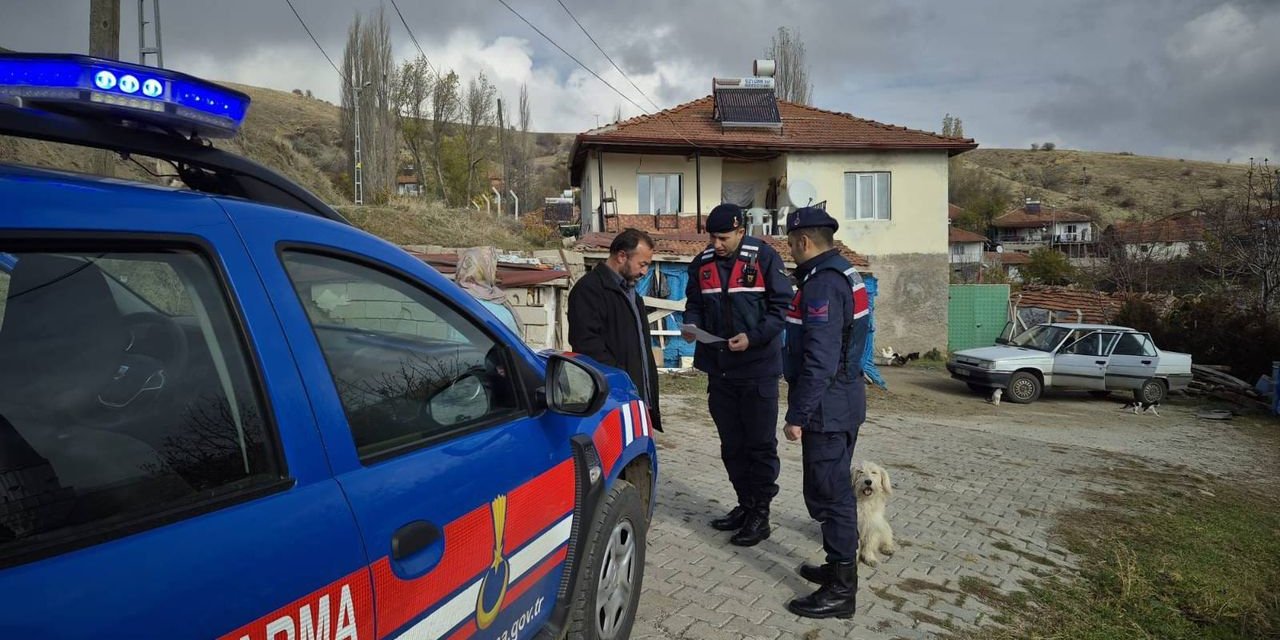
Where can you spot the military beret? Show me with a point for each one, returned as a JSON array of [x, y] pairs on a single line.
[[724, 218], [806, 217]]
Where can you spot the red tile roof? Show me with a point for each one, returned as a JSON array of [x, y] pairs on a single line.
[[692, 126], [954, 211], [691, 244], [1020, 218], [1006, 258], [1094, 306], [1186, 226], [956, 234]]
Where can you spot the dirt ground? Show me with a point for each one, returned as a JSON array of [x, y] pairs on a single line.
[[1244, 448]]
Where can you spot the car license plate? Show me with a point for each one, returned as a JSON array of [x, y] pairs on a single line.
[[962, 372]]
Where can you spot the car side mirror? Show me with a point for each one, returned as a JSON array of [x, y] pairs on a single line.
[[574, 388]]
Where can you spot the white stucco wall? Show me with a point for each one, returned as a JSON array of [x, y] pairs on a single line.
[[621, 171], [917, 200]]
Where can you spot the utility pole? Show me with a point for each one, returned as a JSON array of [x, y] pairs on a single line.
[[143, 49], [359, 168], [104, 42]]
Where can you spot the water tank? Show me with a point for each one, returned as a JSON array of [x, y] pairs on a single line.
[[762, 68]]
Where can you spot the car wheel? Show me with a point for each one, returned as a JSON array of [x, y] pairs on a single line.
[[1151, 391], [1099, 393], [977, 388], [1024, 388], [604, 606]]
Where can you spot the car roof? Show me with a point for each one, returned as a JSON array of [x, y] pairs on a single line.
[[13, 176], [1076, 326]]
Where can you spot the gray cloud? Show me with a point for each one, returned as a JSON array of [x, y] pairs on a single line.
[[1186, 78]]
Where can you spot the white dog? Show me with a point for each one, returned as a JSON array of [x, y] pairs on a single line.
[[872, 487]]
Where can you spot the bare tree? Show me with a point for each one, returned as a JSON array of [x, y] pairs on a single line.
[[445, 110], [948, 125], [477, 134], [1242, 234], [369, 68], [792, 72], [414, 85], [522, 152]]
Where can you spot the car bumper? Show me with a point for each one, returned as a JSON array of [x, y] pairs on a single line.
[[975, 375], [1177, 381]]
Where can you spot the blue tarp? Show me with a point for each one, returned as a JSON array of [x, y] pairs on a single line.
[[676, 277], [868, 362]]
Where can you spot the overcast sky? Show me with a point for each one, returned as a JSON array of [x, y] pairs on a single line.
[[1179, 78]]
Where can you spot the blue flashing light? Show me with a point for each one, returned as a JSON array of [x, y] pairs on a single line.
[[92, 87]]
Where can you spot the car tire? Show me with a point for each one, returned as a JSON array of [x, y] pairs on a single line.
[[978, 388], [1024, 388], [1151, 391], [1099, 393], [604, 605]]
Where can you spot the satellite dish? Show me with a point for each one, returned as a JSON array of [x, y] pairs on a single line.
[[801, 193]]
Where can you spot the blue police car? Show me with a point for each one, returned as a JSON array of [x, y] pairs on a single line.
[[227, 413]]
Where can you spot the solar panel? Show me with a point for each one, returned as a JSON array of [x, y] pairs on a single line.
[[747, 102]]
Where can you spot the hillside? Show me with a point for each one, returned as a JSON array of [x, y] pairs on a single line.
[[298, 137], [1113, 185]]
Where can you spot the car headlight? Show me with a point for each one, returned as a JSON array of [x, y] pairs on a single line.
[[985, 364]]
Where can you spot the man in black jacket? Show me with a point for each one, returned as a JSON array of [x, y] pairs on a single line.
[[607, 320], [738, 291]]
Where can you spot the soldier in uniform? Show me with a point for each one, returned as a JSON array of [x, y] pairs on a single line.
[[738, 290], [826, 335]]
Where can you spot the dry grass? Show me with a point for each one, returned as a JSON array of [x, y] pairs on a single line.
[[1172, 556], [409, 221], [1149, 186]]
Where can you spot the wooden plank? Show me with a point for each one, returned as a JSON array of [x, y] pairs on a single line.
[[660, 303]]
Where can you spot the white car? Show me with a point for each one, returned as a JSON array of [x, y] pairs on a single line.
[[1095, 357]]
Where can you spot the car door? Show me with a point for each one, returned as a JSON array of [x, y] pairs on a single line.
[[1133, 361], [159, 460], [464, 494], [1083, 363]]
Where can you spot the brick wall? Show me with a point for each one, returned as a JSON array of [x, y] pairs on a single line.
[[645, 222]]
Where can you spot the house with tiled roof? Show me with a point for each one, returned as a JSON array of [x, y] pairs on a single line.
[[1033, 225], [886, 184], [1168, 238]]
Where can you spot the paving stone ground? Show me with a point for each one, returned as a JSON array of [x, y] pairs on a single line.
[[976, 493]]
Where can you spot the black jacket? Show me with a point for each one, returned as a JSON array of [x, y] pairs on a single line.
[[603, 326], [758, 309]]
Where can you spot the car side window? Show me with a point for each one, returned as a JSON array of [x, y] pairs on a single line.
[[110, 415], [1134, 344], [1090, 345], [407, 367]]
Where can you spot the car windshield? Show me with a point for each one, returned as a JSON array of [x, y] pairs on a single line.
[[1041, 337]]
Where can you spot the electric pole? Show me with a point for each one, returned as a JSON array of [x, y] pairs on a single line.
[[104, 42], [143, 49]]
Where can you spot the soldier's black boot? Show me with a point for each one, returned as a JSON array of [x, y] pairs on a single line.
[[755, 529], [731, 522], [835, 599], [817, 574]]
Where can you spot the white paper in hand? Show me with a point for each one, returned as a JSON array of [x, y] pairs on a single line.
[[699, 334]]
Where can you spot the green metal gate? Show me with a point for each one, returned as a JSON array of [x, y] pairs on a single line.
[[976, 315]]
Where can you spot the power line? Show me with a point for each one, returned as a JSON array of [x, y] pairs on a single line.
[[313, 39], [606, 55], [414, 38], [571, 57], [671, 121]]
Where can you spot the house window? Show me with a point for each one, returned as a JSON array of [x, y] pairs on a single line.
[[866, 196], [658, 192]]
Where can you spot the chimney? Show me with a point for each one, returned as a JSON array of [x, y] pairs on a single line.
[[1032, 206]]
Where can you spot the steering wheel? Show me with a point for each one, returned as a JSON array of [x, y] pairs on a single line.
[[155, 356]]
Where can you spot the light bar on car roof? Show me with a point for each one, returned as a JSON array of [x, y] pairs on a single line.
[[94, 87]]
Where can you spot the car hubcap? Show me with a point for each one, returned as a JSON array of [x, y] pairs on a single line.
[[1023, 389], [617, 579]]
